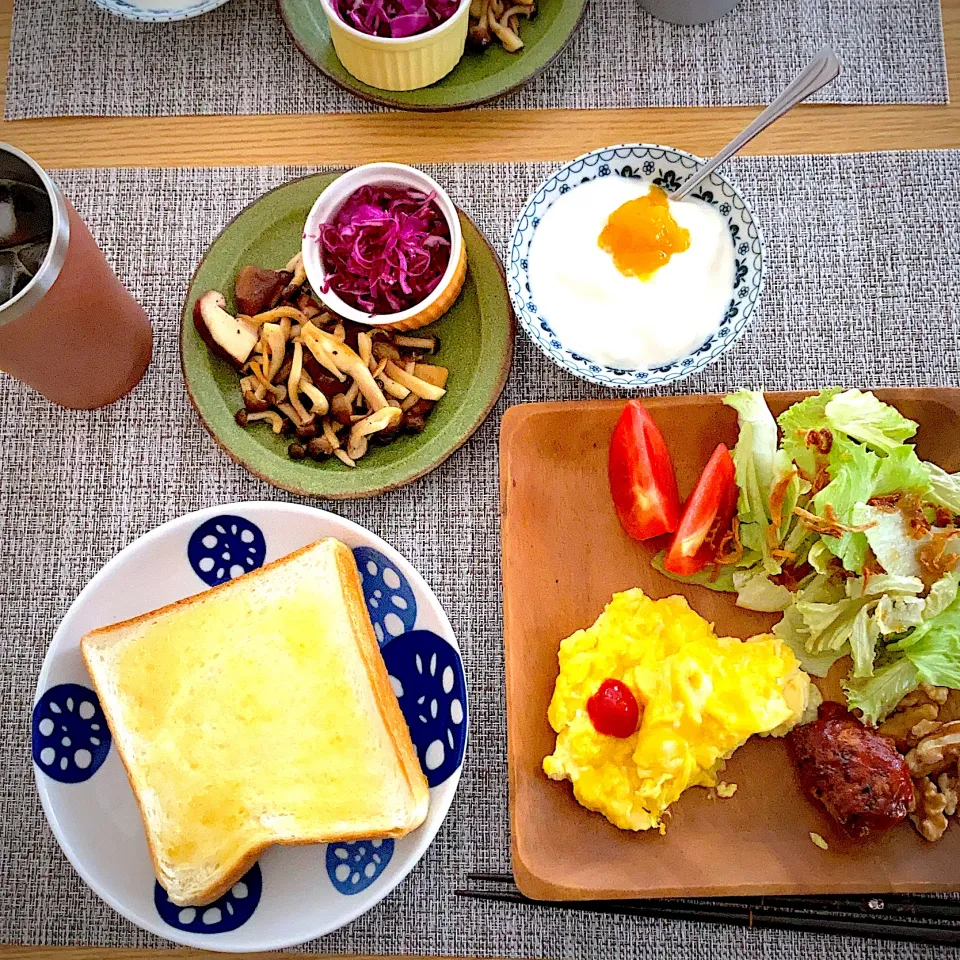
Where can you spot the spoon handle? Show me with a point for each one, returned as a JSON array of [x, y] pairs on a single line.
[[819, 72]]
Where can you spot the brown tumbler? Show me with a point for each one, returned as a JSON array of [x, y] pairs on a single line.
[[68, 327]]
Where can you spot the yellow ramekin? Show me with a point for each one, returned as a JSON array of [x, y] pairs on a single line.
[[405, 63]]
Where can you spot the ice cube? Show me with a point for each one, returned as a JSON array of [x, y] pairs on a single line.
[[11, 275], [25, 214], [32, 255]]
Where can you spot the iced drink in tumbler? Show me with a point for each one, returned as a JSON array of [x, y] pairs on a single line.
[[68, 327]]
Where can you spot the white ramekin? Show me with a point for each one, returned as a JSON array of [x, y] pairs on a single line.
[[404, 63], [325, 209]]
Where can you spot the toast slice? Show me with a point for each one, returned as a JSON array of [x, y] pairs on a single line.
[[255, 713]]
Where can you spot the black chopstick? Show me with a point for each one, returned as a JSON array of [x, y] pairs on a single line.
[[893, 917]]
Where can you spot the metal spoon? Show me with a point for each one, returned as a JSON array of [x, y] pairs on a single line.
[[818, 73]]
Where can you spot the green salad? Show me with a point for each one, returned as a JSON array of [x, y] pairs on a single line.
[[843, 528]]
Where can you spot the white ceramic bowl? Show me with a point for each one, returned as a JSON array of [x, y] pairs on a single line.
[[399, 63], [293, 894], [158, 11], [667, 168], [333, 198]]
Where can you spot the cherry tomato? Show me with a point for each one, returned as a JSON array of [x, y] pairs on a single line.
[[642, 481], [613, 709], [707, 516]]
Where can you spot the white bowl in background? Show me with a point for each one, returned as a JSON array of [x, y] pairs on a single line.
[[158, 11], [329, 203]]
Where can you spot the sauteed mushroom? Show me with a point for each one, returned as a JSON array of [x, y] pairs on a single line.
[[336, 385]]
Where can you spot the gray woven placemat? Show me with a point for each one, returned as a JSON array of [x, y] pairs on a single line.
[[862, 289], [82, 61]]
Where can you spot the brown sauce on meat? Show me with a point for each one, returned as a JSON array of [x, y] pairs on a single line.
[[856, 774]]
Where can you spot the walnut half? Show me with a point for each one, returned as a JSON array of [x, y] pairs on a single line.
[[930, 817], [937, 752]]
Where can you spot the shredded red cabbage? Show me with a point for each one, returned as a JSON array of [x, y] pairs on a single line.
[[386, 249], [396, 18]]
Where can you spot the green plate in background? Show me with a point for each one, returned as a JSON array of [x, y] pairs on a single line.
[[478, 77], [476, 345]]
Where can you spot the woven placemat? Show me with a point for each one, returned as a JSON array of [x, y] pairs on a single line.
[[862, 290], [81, 61]]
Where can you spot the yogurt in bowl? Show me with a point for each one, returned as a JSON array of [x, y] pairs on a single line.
[[621, 285]]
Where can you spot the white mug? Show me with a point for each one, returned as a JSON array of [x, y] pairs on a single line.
[[688, 11]]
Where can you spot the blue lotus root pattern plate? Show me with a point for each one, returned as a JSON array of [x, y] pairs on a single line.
[[668, 169], [390, 599], [228, 912], [352, 867], [70, 735], [225, 547]]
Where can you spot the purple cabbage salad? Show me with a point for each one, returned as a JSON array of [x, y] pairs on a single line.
[[395, 18], [386, 249]]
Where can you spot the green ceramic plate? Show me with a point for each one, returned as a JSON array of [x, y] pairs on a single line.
[[478, 77], [476, 345]]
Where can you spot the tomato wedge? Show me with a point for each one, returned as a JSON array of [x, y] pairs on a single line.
[[707, 516], [642, 481]]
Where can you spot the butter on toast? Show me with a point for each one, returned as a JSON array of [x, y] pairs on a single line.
[[256, 713]]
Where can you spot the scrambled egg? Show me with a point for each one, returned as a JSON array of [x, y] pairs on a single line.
[[701, 697]]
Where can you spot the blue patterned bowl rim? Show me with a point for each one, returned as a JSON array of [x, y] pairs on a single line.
[[157, 13], [548, 343]]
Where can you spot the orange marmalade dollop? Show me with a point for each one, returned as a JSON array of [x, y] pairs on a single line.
[[641, 235]]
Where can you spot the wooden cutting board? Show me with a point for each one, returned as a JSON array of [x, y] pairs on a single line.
[[564, 556]]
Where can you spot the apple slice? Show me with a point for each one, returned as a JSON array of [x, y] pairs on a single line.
[[228, 337]]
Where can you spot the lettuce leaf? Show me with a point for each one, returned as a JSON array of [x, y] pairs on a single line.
[[760, 466], [898, 615], [944, 488], [792, 631], [830, 625], [713, 578], [854, 470], [941, 595], [867, 419], [889, 539], [934, 648], [756, 591], [797, 421], [863, 642], [902, 472], [876, 696]]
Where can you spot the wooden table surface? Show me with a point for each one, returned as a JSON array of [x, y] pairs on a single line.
[[466, 136], [477, 135]]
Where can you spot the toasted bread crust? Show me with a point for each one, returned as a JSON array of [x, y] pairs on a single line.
[[389, 709]]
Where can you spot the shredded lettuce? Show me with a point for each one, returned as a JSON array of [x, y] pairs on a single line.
[[797, 421], [889, 539], [944, 488], [719, 579], [898, 629], [876, 696], [896, 615], [854, 471], [863, 642], [755, 591], [941, 595], [867, 419], [792, 631], [760, 468], [902, 472]]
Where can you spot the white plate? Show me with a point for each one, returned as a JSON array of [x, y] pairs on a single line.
[[294, 893]]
